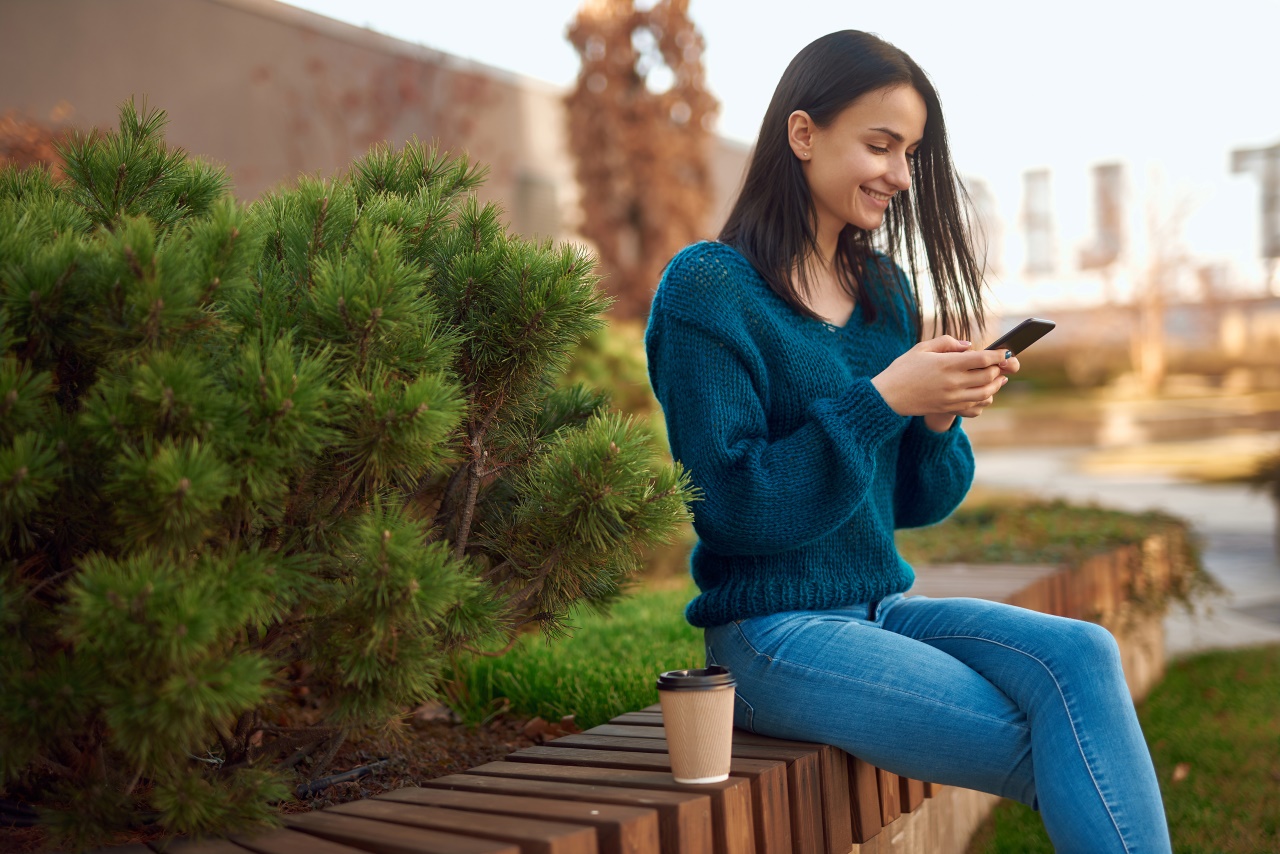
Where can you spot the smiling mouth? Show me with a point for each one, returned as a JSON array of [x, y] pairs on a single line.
[[879, 197]]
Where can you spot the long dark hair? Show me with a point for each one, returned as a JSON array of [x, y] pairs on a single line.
[[773, 222]]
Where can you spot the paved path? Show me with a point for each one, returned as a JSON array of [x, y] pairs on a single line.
[[1236, 524]]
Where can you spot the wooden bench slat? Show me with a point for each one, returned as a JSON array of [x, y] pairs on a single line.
[[382, 837], [195, 846], [890, 804], [910, 793], [619, 829], [534, 836], [633, 731], [684, 820], [733, 825], [837, 813], [864, 799], [290, 842], [769, 810], [638, 719]]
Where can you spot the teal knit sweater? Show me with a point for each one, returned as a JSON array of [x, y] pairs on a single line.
[[805, 471]]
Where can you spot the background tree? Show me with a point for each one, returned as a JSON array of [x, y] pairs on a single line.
[[640, 120], [26, 143], [318, 441]]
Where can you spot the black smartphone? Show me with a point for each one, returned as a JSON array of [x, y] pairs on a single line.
[[1023, 335]]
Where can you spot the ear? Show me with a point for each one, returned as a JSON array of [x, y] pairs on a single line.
[[800, 132]]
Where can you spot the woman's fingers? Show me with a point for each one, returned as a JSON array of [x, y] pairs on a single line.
[[976, 377], [985, 392], [944, 344]]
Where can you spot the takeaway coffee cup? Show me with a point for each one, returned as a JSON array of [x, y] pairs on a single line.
[[697, 715]]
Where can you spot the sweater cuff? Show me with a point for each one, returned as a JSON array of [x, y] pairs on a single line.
[[918, 426], [867, 415]]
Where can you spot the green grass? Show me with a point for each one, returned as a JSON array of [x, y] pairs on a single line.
[[1218, 714], [609, 666], [1009, 530]]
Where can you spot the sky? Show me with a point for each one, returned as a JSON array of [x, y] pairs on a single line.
[[1023, 85]]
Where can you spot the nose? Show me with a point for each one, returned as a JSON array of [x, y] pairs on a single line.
[[899, 174]]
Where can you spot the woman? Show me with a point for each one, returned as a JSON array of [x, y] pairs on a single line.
[[788, 360]]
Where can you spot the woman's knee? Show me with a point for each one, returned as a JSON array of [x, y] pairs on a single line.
[[1081, 644]]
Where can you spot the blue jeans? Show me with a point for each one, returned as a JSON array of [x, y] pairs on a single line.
[[963, 692]]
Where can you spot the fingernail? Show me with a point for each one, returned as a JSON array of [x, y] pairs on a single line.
[[966, 343], [1003, 380], [1008, 354]]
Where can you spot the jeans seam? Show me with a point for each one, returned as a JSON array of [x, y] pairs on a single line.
[[875, 684], [1070, 720], [748, 642]]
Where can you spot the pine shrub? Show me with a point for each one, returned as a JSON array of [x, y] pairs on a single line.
[[302, 448]]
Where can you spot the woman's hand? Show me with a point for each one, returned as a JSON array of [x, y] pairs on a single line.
[[942, 377]]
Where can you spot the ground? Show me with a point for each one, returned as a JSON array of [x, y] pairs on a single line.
[[430, 749]]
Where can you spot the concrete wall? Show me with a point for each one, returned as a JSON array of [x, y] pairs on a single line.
[[272, 91]]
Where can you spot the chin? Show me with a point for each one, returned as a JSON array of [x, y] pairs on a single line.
[[867, 223]]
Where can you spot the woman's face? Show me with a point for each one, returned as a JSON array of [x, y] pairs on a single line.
[[858, 162]]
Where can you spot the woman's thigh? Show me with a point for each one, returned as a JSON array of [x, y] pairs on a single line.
[[838, 678]]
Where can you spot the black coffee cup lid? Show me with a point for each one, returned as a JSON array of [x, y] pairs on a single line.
[[699, 679]]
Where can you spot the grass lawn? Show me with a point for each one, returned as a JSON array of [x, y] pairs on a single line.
[[1213, 725], [609, 666]]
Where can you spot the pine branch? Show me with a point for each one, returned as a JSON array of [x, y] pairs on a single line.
[[448, 499], [469, 506], [316, 245], [515, 638], [492, 572], [323, 765]]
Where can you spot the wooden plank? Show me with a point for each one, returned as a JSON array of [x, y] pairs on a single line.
[[837, 817], [638, 719], [804, 779], [864, 799], [910, 793], [195, 846], [932, 789], [631, 731], [619, 829], [890, 804], [534, 836], [684, 820], [732, 821], [384, 838], [291, 842], [769, 810]]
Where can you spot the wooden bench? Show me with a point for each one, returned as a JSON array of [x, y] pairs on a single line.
[[609, 790]]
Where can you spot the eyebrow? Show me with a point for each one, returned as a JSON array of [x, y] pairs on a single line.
[[897, 136]]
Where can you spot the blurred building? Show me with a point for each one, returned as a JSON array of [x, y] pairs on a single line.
[[272, 91], [1037, 223]]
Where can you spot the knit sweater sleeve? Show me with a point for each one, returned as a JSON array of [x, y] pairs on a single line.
[[761, 494], [935, 471]]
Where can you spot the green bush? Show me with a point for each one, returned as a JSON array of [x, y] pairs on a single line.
[[318, 443]]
